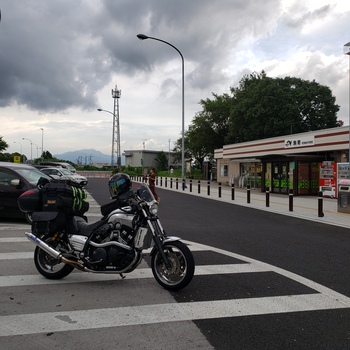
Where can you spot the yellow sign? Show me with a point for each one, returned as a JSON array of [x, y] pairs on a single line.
[[17, 159]]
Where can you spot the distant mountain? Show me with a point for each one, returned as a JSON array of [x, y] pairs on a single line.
[[85, 157]]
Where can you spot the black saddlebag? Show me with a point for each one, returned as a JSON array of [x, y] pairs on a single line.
[[64, 197], [30, 201], [45, 222]]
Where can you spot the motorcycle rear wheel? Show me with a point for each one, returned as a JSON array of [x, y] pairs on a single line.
[[47, 265], [181, 271]]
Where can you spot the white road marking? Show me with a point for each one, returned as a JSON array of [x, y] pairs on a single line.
[[17, 255], [13, 239], [83, 277], [171, 312], [249, 265], [302, 280], [13, 227], [323, 298]]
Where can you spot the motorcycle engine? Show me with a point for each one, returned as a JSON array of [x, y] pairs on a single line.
[[111, 256]]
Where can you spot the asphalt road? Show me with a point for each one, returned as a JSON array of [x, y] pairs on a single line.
[[317, 252], [262, 281]]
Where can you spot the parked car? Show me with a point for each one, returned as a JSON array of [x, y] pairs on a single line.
[[64, 174], [15, 179], [60, 165]]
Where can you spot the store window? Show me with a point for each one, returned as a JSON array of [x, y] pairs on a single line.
[[223, 170], [251, 174]]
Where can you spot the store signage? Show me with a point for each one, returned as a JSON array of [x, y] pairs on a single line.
[[299, 142]]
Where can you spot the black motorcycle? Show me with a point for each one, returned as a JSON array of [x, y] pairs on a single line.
[[113, 245]]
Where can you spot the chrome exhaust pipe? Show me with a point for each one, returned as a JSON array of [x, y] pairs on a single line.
[[41, 244], [54, 253]]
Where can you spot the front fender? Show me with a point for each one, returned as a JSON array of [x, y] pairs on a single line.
[[171, 239], [166, 240]]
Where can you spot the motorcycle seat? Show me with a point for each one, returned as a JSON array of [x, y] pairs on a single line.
[[82, 228]]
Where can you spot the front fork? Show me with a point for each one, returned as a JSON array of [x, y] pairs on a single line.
[[159, 240]]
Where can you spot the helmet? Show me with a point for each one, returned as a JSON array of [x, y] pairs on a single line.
[[118, 184]]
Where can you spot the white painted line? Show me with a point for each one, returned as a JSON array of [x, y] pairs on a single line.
[[14, 227], [302, 280], [17, 255], [250, 265], [85, 277], [13, 239], [171, 312]]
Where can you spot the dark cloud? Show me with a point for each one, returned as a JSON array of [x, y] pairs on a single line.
[[55, 55], [49, 61], [60, 54], [309, 16]]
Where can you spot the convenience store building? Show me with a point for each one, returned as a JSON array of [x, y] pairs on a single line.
[[306, 162]]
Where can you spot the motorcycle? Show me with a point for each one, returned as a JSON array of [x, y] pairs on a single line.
[[112, 245]]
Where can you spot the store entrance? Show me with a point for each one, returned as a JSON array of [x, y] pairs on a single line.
[[308, 173], [280, 181]]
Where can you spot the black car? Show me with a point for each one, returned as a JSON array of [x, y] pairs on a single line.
[[14, 180]]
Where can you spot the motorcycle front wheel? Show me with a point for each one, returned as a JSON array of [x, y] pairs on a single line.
[[47, 265], [181, 270]]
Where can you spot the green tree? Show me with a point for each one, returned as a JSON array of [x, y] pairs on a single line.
[[211, 125], [265, 107], [208, 129], [3, 145], [259, 107], [178, 149], [162, 161], [47, 155]]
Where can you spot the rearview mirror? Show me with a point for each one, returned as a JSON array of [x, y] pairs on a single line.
[[15, 182]]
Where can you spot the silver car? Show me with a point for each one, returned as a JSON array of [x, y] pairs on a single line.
[[65, 174]]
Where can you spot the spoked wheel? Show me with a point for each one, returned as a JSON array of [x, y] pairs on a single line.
[[47, 265], [181, 270]]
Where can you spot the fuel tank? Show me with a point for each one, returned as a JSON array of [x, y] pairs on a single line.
[[121, 217]]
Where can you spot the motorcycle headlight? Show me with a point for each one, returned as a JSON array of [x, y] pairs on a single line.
[[154, 208]]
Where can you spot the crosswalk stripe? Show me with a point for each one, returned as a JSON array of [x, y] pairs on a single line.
[[13, 325], [14, 227], [322, 299], [17, 255], [82, 277], [13, 239], [252, 264]]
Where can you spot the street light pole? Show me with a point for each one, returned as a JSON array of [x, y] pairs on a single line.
[[37, 150], [144, 37], [31, 147], [347, 52], [169, 161], [42, 143]]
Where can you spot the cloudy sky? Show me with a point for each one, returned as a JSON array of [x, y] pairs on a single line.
[[60, 59]]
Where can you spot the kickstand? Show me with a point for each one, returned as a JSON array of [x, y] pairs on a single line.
[[122, 276]]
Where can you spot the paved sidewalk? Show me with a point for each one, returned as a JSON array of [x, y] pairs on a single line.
[[305, 207]]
